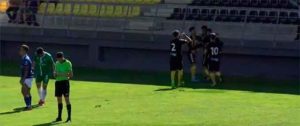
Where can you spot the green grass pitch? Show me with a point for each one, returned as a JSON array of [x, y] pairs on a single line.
[[112, 98], [115, 104]]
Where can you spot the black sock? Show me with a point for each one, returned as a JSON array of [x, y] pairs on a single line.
[[69, 111], [60, 107]]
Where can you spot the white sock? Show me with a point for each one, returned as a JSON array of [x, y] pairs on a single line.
[[44, 94], [40, 93]]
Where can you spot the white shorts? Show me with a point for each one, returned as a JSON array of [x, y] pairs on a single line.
[[28, 82]]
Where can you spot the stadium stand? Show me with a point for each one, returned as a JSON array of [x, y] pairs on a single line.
[[250, 11], [140, 29]]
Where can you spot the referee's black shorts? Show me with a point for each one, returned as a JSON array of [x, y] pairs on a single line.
[[62, 88]]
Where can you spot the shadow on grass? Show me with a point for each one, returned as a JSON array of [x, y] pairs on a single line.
[[18, 110], [164, 89], [252, 84], [49, 124]]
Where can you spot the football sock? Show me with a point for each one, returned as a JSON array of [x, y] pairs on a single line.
[[40, 93], [193, 72], [26, 101], [60, 107], [173, 73], [29, 100], [180, 77], [69, 111], [44, 95]]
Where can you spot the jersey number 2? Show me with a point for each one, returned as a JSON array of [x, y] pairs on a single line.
[[173, 47]]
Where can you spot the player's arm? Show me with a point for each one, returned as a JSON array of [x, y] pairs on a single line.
[[70, 73], [33, 63], [52, 63], [187, 38]]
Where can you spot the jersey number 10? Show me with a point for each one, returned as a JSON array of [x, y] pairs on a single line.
[[214, 51]]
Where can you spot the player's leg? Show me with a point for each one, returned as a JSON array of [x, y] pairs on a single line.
[[213, 68], [58, 95], [38, 81], [173, 74], [69, 108], [60, 108], [180, 78], [219, 76], [205, 68], [26, 92], [66, 93], [44, 87], [213, 78], [193, 72]]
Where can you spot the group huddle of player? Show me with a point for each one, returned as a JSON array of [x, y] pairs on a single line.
[[211, 47], [42, 68]]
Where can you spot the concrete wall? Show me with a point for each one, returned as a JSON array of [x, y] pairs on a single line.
[[142, 51]]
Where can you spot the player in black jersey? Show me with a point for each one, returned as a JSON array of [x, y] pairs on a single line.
[[205, 40], [192, 50], [176, 65], [214, 50]]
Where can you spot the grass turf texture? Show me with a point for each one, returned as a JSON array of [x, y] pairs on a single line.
[[105, 97]]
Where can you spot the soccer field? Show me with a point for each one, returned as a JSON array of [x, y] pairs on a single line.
[[126, 104]]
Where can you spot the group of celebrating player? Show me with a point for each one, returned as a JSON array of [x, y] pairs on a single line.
[[42, 68], [212, 50]]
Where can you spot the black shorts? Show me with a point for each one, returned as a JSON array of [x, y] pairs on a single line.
[[62, 88], [176, 63], [214, 65], [192, 58]]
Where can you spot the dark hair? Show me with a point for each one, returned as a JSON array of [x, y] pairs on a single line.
[[176, 33], [209, 30], [59, 55], [39, 50], [25, 47], [204, 27], [192, 29]]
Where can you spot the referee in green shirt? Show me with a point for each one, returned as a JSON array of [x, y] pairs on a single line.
[[63, 73]]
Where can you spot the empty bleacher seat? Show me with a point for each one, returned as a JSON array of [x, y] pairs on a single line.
[[284, 3], [254, 3], [272, 17], [274, 3], [235, 3], [91, 10], [177, 14], [3, 6], [265, 3], [252, 17], [216, 2], [234, 15], [245, 3], [193, 15], [223, 16], [242, 15], [294, 18], [226, 3], [262, 16], [283, 18]]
